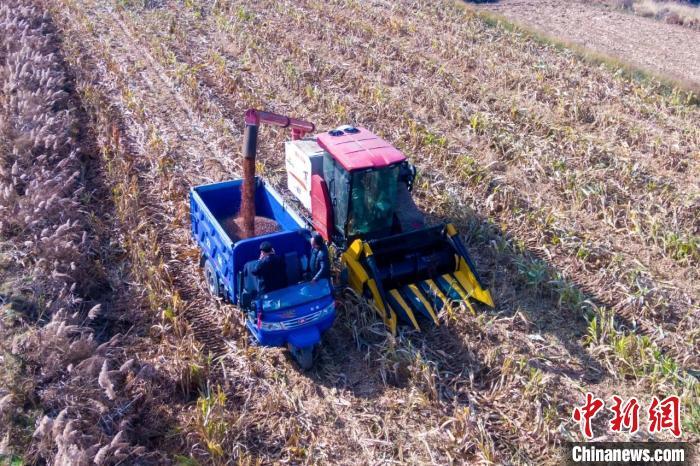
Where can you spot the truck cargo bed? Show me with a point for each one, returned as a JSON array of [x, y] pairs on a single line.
[[214, 209]]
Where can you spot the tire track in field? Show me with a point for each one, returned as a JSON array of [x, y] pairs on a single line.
[[206, 329], [169, 108]]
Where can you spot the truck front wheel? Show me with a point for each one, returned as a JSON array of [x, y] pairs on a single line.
[[303, 356]]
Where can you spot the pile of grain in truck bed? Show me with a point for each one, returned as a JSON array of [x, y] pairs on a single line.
[[233, 226]]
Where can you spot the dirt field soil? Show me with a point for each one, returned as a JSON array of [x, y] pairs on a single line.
[[667, 49], [574, 189]]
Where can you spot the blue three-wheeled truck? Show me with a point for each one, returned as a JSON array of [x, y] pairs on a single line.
[[294, 316]]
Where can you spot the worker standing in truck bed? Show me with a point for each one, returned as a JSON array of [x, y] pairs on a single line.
[[269, 270], [320, 263]]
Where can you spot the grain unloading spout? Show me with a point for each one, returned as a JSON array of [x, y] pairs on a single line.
[[253, 118]]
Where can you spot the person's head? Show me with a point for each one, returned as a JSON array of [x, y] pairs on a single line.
[[316, 240], [266, 248]]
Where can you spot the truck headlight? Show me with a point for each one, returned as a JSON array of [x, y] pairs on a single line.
[[327, 310], [271, 326]]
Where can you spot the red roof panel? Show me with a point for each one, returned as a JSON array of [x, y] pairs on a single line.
[[357, 150]]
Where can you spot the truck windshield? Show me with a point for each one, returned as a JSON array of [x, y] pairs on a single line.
[[373, 200]]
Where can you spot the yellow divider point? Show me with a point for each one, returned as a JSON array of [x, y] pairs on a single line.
[[435, 289], [407, 309], [425, 302], [468, 281]]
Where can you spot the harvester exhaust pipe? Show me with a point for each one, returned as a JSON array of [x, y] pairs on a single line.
[[253, 118]]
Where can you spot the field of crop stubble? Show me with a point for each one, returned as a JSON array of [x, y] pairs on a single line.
[[575, 188]]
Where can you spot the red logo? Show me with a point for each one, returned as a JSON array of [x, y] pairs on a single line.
[[626, 416], [588, 412], [662, 415], [665, 414]]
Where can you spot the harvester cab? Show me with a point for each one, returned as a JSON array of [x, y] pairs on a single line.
[[365, 192], [357, 188]]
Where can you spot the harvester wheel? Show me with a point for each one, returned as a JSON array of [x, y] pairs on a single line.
[[212, 279], [344, 278]]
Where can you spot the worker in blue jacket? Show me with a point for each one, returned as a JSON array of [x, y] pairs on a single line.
[[320, 263], [269, 269]]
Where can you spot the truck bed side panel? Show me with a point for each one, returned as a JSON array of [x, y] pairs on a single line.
[[215, 244], [212, 204]]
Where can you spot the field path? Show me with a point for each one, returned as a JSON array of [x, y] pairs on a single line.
[[176, 128], [667, 49]]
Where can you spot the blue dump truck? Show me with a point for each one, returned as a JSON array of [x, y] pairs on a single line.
[[294, 316]]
